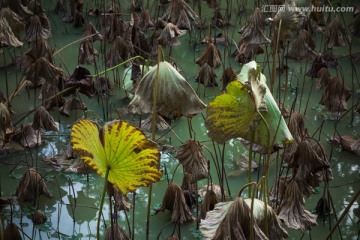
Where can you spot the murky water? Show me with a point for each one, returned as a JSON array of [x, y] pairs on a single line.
[[73, 210]]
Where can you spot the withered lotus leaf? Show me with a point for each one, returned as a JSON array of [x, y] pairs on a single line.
[[253, 31], [5, 120], [180, 13], [28, 136], [70, 105], [169, 34], [102, 86], [38, 217], [318, 63], [31, 185], [208, 203], [335, 34], [206, 76], [119, 51], [230, 221], [119, 233], [13, 20], [90, 30], [161, 124], [81, 80], [145, 20], [292, 211], [7, 36], [87, 53], [228, 76], [323, 78], [50, 96], [44, 121], [350, 144], [175, 97], [38, 49], [302, 47], [12, 232], [192, 158], [174, 201], [37, 26], [211, 56], [335, 95], [289, 18], [247, 52], [43, 68]]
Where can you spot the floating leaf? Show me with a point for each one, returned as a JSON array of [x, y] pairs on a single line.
[[131, 158]]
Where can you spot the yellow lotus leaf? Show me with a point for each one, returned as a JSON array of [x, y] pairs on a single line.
[[230, 115], [131, 158]]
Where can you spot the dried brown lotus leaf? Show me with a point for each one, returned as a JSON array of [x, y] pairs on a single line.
[[87, 53], [145, 20], [253, 31], [191, 156], [44, 121], [12, 232], [335, 95], [38, 217], [13, 20], [335, 34], [28, 136], [169, 34], [160, 123], [208, 203], [180, 13], [70, 105], [292, 211], [37, 26], [206, 76], [175, 202], [7, 37], [302, 47], [119, 233], [211, 56], [31, 185]]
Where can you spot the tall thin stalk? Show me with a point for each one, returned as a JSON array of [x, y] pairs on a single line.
[[102, 204]]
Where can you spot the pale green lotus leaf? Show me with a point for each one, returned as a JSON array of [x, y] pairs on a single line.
[[174, 95]]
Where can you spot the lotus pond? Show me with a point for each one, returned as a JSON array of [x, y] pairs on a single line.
[[232, 120]]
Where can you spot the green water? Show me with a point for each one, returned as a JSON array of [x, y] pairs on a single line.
[[73, 210]]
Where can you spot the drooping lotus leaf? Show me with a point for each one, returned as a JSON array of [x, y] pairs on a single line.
[[145, 20], [160, 123], [12, 231], [253, 31], [36, 27], [247, 52], [351, 144], [292, 211], [175, 96], [323, 78], [236, 113], [231, 221], [91, 31], [44, 121], [206, 76], [132, 159], [13, 20], [335, 95], [31, 185], [192, 158], [43, 68], [119, 51], [7, 36], [169, 34], [174, 201], [37, 49], [119, 233], [211, 56], [180, 13], [38, 217], [208, 203], [72, 104], [28, 136], [289, 18], [302, 47], [103, 86], [228, 76], [335, 34], [5, 121], [81, 80], [87, 53], [50, 96]]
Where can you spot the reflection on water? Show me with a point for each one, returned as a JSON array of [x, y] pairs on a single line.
[[73, 210]]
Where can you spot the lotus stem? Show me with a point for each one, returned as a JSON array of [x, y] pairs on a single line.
[[72, 43], [343, 214], [245, 186], [102, 203], [120, 64], [274, 58]]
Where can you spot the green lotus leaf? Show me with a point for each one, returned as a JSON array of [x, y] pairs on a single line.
[[247, 106]]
